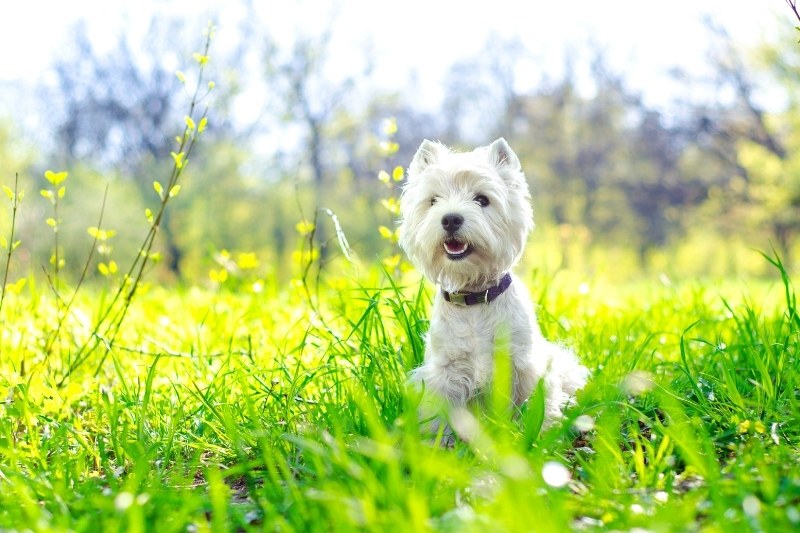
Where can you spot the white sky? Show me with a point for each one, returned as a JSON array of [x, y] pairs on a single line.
[[644, 39]]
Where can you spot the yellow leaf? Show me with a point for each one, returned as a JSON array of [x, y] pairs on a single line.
[[181, 76], [304, 227], [159, 189], [247, 260], [200, 58], [112, 267], [203, 124], [398, 173], [218, 276], [178, 158], [47, 193], [389, 147], [149, 215], [61, 192], [103, 269], [392, 262], [101, 234], [386, 233], [55, 177], [174, 191], [189, 122], [8, 192], [383, 176], [16, 287], [51, 222], [390, 126], [391, 205]]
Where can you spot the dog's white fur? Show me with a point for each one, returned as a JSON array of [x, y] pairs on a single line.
[[461, 340]]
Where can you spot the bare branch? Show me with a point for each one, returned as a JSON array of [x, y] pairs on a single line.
[[793, 5]]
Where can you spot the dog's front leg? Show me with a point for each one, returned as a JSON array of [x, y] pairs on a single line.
[[444, 387]]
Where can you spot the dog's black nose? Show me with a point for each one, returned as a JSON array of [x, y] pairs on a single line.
[[451, 222]]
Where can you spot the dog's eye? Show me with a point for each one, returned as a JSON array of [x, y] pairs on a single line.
[[433, 200], [482, 200]]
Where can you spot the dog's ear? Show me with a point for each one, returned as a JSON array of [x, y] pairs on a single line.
[[427, 154], [502, 156]]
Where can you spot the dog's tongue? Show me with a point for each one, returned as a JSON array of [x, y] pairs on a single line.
[[455, 247]]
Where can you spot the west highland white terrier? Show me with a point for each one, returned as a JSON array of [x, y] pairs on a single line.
[[465, 221]]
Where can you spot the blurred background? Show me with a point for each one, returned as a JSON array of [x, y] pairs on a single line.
[[656, 137]]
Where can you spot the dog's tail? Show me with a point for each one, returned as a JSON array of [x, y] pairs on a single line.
[[565, 375]]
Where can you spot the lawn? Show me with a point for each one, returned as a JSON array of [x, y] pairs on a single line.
[[285, 410]]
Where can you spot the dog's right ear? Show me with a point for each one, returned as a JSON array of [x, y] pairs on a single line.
[[427, 154]]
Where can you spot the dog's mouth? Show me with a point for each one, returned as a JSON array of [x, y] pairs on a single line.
[[456, 249]]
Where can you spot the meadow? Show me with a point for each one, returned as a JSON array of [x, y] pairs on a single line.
[[128, 404], [284, 409]]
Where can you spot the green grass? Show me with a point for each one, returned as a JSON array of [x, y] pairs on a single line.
[[217, 411]]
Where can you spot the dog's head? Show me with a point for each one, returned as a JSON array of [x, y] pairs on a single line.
[[465, 216]]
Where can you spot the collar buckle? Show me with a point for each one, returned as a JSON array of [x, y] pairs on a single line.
[[457, 298]]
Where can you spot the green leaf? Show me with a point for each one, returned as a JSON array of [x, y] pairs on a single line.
[[181, 76], [533, 414], [55, 177], [8, 191]]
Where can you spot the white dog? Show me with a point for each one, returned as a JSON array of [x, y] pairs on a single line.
[[465, 221]]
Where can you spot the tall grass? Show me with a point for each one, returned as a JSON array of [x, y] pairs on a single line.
[[221, 411]]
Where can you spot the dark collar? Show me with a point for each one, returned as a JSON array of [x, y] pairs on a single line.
[[483, 297]]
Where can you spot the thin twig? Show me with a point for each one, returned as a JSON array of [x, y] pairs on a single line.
[[68, 305], [793, 5], [110, 320], [14, 204]]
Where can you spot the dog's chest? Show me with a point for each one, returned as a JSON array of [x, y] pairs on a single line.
[[465, 336]]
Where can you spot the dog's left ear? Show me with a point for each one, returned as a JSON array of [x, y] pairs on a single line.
[[503, 156]]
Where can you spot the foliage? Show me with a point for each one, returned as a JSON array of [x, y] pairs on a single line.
[[235, 410]]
